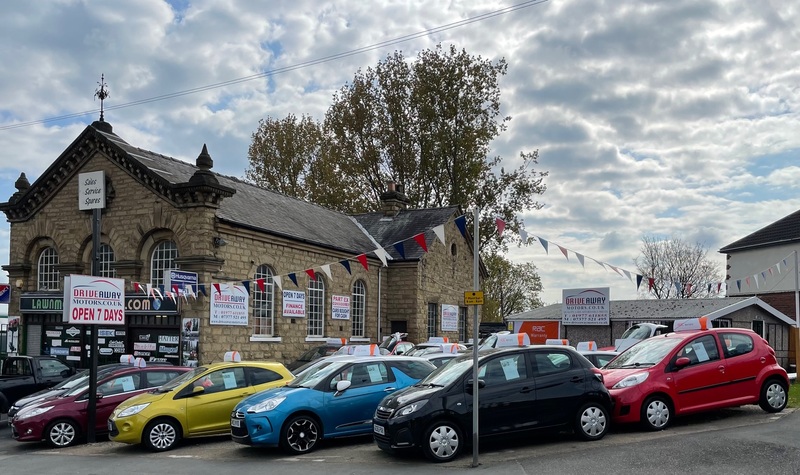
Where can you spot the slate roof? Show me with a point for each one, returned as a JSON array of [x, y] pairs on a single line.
[[782, 231], [662, 309], [265, 210]]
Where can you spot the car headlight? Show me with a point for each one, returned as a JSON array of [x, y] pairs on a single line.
[[266, 405], [410, 409], [33, 411], [133, 410], [631, 380]]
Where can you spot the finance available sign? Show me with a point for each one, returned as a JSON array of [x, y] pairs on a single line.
[[93, 300]]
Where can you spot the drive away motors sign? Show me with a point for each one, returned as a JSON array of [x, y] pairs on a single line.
[[93, 300]]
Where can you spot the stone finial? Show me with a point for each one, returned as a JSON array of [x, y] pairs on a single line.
[[203, 175], [22, 184], [204, 161]]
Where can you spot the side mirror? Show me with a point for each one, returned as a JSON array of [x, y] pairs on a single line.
[[198, 390], [471, 384], [98, 396], [342, 385], [682, 362], [67, 373]]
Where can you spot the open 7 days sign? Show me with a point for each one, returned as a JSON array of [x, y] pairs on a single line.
[[91, 300]]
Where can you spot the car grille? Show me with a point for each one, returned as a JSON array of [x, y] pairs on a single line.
[[112, 428], [383, 413], [239, 432], [237, 415]]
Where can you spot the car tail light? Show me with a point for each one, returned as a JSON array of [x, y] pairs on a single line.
[[597, 374]]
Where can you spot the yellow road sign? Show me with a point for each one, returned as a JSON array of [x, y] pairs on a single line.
[[474, 297]]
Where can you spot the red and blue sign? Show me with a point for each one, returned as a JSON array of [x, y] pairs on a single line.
[[5, 293]]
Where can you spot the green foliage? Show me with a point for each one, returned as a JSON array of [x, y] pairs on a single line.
[[794, 395]]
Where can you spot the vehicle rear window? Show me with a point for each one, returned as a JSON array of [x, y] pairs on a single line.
[[263, 375], [735, 344]]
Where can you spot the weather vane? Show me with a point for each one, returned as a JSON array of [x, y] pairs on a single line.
[[101, 93]]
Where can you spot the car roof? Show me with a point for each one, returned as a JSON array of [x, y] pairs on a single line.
[[233, 364]]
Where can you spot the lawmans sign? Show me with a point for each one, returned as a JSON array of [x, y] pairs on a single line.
[[92, 300], [585, 306]]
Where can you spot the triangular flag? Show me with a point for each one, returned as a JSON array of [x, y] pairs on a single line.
[[326, 268], [764, 276], [747, 281], [311, 274], [461, 222], [246, 284], [260, 283], [398, 246], [524, 236], [501, 225], [382, 255], [688, 288], [190, 292], [580, 259], [770, 271], [278, 281], [201, 289], [739, 284], [615, 270], [362, 258], [172, 296], [677, 286], [293, 278], [778, 266], [755, 277], [563, 251], [175, 288], [719, 286], [627, 274], [218, 288], [638, 281], [650, 282], [708, 290], [544, 244], [346, 264], [420, 238], [599, 263], [439, 231], [137, 287]]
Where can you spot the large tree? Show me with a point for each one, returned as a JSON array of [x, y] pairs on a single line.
[[679, 269], [512, 288]]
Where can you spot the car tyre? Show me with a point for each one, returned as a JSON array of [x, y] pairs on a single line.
[[301, 434], [592, 421], [62, 433], [161, 435], [443, 441], [656, 413], [773, 396]]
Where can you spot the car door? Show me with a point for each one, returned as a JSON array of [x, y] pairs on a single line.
[[560, 386], [507, 399], [701, 384], [742, 364], [352, 409], [112, 392], [210, 411]]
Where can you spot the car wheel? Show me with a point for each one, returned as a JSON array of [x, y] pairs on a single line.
[[773, 396], [161, 435], [300, 435], [591, 422], [656, 413], [443, 441], [62, 433]]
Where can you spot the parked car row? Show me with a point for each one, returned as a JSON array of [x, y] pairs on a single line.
[[407, 402]]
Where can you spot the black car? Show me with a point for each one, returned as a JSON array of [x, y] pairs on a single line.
[[521, 389]]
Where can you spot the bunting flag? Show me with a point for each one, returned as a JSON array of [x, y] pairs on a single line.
[[278, 281], [362, 258], [382, 255], [688, 288], [599, 263], [190, 292], [544, 245], [175, 288], [137, 287], [615, 269], [398, 246], [564, 251], [246, 284], [764, 276], [217, 288], [439, 231], [260, 283], [461, 222], [311, 274], [627, 274], [650, 282], [346, 264], [293, 278], [201, 289], [755, 277], [677, 286], [154, 291], [739, 285], [524, 236], [719, 286], [326, 268], [501, 225], [747, 280], [420, 238], [580, 259], [708, 290], [172, 296], [638, 281]]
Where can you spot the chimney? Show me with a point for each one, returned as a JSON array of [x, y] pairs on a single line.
[[392, 200]]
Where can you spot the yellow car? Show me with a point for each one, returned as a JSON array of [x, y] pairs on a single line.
[[195, 404]]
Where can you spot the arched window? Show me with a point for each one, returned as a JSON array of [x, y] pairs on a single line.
[[107, 258], [49, 278], [316, 307], [163, 258], [359, 304], [264, 302]]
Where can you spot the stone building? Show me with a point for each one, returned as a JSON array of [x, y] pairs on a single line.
[[398, 269]]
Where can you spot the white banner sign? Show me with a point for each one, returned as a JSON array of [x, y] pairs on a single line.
[[585, 306], [340, 307], [229, 305], [449, 318], [294, 304], [94, 300], [91, 190]]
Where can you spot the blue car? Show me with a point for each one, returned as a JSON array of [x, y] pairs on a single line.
[[335, 398]]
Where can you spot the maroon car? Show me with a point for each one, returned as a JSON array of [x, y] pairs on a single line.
[[62, 420]]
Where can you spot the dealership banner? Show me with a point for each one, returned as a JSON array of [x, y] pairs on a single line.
[[229, 305], [449, 318], [294, 304], [92, 300], [539, 331], [586, 306], [340, 307], [5, 293]]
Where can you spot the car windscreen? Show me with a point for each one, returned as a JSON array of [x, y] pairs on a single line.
[[445, 375], [182, 379], [638, 332], [645, 353], [313, 375]]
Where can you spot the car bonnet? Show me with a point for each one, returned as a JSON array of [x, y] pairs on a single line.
[[410, 394], [270, 393], [613, 376]]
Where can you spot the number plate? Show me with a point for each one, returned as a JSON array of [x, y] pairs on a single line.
[[378, 429], [109, 426], [236, 423]]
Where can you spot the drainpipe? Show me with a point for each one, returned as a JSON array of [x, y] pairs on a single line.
[[379, 304]]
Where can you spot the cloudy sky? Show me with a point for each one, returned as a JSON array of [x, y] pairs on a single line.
[[655, 118]]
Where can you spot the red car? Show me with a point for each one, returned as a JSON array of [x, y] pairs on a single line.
[[62, 420], [693, 371]]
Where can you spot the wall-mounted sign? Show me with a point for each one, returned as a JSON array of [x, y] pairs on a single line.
[[94, 300], [585, 306], [229, 305], [5, 293], [177, 280], [449, 318], [92, 190], [134, 305], [340, 307], [294, 303]]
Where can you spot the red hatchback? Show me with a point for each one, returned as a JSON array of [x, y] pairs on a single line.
[[62, 420], [693, 371]]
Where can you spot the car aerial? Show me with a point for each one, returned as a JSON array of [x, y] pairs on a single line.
[[335, 398], [62, 420], [691, 371], [523, 387], [321, 351], [195, 404]]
